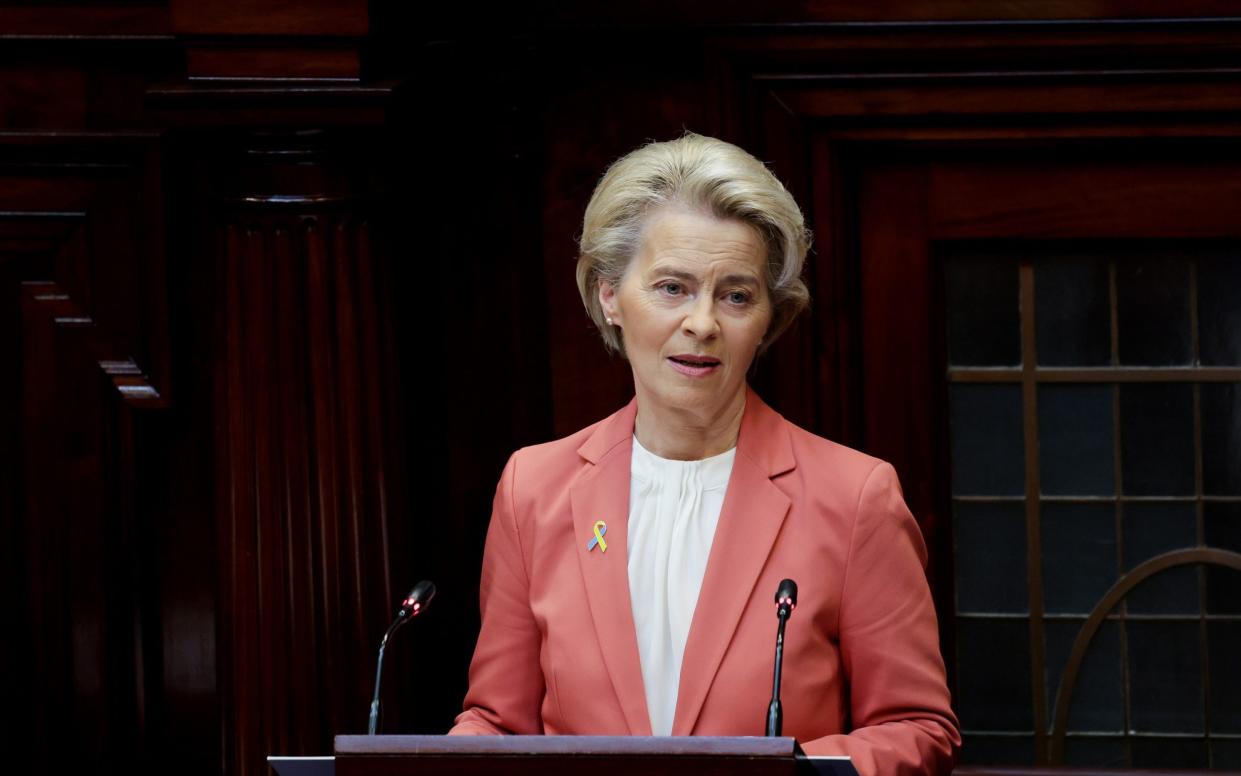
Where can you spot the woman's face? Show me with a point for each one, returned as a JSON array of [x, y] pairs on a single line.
[[693, 306]]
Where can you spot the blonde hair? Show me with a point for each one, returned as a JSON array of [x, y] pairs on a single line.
[[701, 173]]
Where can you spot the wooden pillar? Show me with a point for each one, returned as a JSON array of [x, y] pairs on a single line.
[[305, 419]]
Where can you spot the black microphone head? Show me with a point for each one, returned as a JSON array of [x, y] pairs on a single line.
[[786, 594], [419, 598]]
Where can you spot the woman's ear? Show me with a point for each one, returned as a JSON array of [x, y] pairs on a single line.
[[607, 300]]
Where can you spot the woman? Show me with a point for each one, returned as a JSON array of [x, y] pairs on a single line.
[[630, 568]]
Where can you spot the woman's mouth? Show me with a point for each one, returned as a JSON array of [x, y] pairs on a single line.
[[694, 366]]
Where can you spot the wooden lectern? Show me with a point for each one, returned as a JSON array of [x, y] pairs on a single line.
[[593, 755]]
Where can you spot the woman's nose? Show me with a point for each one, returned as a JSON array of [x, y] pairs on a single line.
[[700, 320]]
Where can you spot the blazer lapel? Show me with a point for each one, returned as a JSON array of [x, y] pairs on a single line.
[[750, 519], [602, 493]]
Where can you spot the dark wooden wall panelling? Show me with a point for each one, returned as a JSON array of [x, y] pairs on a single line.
[[83, 248], [282, 285], [201, 423]]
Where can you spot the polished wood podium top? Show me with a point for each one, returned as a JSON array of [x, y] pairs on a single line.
[[551, 755]]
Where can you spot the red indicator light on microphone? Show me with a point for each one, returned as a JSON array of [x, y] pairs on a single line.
[[418, 599]]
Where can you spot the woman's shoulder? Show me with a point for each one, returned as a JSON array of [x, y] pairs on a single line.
[[559, 458], [779, 445], [840, 480], [809, 446], [565, 447], [827, 464]]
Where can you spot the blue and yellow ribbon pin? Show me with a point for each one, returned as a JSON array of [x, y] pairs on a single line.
[[600, 529]]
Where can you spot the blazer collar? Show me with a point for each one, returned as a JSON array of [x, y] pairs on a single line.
[[750, 519], [762, 437]]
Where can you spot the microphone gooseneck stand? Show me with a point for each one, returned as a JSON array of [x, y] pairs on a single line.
[[414, 603], [786, 602]]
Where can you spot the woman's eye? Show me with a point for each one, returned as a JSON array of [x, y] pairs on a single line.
[[738, 297], [671, 288]]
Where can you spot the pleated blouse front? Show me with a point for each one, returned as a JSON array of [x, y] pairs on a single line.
[[674, 507]]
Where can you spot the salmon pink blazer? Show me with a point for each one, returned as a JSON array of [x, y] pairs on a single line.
[[863, 675]]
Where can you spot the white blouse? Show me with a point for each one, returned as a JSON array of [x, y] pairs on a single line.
[[674, 507]]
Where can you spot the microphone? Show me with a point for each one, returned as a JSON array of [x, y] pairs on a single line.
[[786, 602], [414, 604]]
